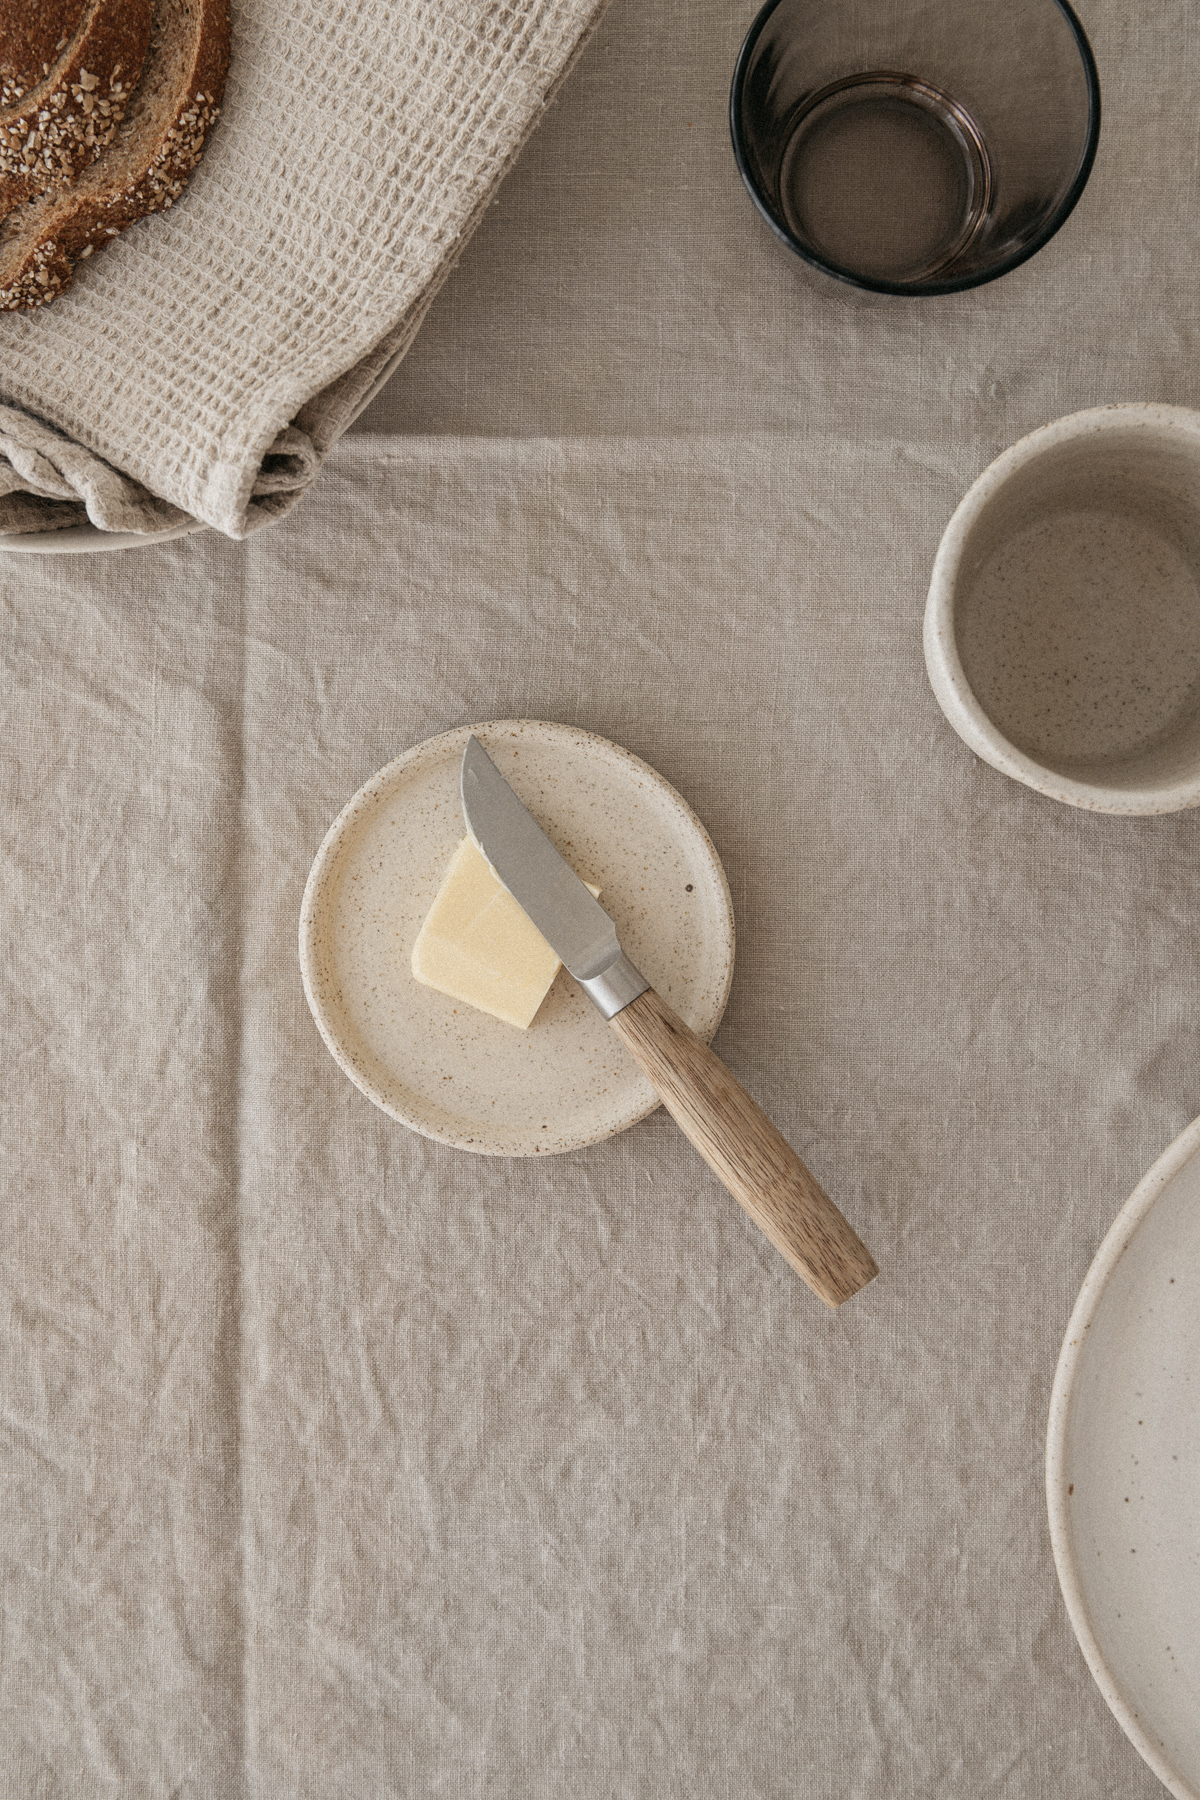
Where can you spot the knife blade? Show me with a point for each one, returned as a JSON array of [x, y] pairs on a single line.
[[545, 886], [732, 1133]]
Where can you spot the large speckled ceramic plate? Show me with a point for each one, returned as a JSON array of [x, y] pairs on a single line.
[[457, 1074], [1123, 1467]]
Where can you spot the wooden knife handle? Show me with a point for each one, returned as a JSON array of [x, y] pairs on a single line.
[[743, 1148]]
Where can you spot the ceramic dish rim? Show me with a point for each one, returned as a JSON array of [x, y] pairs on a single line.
[[432, 748], [947, 676], [1117, 1240]]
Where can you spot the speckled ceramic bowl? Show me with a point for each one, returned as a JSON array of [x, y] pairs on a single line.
[[1062, 630], [440, 1066]]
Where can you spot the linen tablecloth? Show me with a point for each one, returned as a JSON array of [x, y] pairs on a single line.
[[337, 1463]]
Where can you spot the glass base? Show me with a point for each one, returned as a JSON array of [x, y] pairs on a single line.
[[885, 176]]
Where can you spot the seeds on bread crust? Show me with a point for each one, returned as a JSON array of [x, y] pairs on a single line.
[[144, 169], [56, 126], [33, 36]]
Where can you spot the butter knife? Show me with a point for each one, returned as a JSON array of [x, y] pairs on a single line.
[[731, 1132]]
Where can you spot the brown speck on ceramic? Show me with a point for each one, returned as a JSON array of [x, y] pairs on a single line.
[[566, 1081], [1080, 636]]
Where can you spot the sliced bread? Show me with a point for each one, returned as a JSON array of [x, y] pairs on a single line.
[[33, 35], [143, 169], [67, 69]]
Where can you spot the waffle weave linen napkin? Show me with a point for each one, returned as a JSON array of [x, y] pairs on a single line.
[[204, 365]]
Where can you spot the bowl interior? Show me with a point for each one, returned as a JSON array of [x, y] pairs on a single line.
[[915, 147], [1077, 610]]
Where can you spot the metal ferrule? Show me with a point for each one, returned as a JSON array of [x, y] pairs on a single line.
[[612, 990]]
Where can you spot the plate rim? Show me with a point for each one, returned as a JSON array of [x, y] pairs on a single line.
[[81, 540], [1120, 1235], [368, 792]]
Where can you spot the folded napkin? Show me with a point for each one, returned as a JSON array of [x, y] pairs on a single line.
[[205, 363]]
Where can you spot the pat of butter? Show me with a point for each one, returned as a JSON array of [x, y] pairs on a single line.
[[479, 947]]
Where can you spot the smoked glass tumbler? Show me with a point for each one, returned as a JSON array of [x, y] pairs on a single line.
[[915, 146]]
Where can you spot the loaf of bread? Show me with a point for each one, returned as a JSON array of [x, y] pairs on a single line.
[[67, 69], [147, 152]]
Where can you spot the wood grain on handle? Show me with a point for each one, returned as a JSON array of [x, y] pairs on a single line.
[[742, 1147]]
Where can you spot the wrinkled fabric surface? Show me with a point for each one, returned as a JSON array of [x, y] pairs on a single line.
[[48, 482], [338, 1463], [204, 364]]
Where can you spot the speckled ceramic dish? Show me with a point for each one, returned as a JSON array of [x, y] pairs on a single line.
[[1123, 1467], [459, 1075], [1062, 630]]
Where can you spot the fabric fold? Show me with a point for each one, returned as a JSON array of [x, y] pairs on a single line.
[[48, 482]]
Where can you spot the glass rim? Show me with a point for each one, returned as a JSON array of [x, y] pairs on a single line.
[[919, 289]]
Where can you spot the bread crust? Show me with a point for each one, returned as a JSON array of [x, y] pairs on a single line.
[[55, 127], [145, 167], [33, 35]]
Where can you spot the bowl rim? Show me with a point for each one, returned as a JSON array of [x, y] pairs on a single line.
[[918, 289], [947, 676]]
